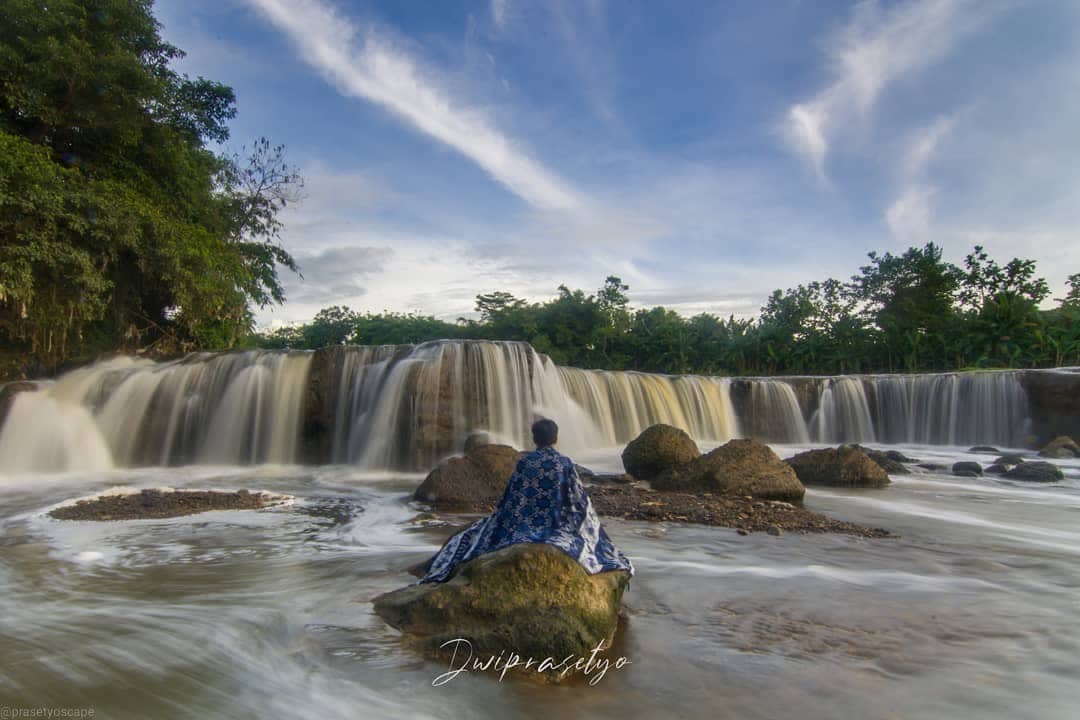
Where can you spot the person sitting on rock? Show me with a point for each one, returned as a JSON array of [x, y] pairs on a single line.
[[544, 502]]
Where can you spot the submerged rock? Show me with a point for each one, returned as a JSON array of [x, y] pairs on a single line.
[[844, 466], [996, 469], [470, 482], [739, 467], [967, 469], [533, 600], [1037, 471], [656, 449], [1060, 448], [988, 449]]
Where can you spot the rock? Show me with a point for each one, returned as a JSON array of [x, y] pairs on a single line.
[[844, 466], [967, 469], [988, 449], [656, 449], [890, 461], [932, 467], [775, 531], [996, 469], [584, 474], [740, 468], [530, 599], [476, 440], [468, 482], [156, 504], [1009, 460], [616, 478], [1037, 471], [1060, 448]]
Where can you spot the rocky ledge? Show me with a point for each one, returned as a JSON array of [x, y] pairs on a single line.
[[154, 504]]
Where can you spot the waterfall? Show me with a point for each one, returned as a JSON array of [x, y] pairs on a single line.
[[843, 413], [951, 408], [233, 408], [406, 407], [774, 414]]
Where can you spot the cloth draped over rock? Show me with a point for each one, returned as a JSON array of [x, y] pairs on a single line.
[[544, 502]]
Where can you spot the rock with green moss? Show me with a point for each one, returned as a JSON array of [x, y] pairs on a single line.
[[530, 599], [656, 449], [741, 468]]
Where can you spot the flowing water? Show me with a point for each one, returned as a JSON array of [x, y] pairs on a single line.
[[969, 612]]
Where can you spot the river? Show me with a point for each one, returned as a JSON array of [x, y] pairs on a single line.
[[970, 612]]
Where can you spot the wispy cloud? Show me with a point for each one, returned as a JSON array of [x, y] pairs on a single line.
[[874, 50], [368, 67], [908, 217], [498, 12]]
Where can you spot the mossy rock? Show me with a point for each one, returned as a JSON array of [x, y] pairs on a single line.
[[656, 449], [1062, 447], [530, 599], [1037, 471]]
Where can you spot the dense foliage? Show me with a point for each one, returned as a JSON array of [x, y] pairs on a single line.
[[908, 313], [120, 227]]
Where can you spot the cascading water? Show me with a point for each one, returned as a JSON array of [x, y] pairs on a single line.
[[406, 407], [774, 413], [843, 413], [235, 408], [950, 409]]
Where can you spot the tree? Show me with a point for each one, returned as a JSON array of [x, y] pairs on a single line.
[[910, 298], [119, 227]]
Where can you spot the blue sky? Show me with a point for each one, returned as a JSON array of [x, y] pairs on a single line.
[[705, 152]]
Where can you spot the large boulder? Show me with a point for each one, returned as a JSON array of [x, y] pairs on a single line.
[[470, 482], [656, 449], [1061, 448], [1036, 472], [740, 468], [844, 466], [533, 600], [967, 468]]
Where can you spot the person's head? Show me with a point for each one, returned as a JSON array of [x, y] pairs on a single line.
[[545, 433]]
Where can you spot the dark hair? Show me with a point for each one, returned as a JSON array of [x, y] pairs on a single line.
[[545, 432]]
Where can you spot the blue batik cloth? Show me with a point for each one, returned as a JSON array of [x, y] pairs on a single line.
[[544, 502]]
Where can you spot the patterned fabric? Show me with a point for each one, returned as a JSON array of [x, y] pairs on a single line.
[[544, 502]]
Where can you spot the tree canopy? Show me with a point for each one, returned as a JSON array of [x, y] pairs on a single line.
[[900, 313], [120, 227]]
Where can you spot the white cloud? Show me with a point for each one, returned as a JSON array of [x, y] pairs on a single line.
[[876, 49], [498, 12], [909, 216], [371, 69]]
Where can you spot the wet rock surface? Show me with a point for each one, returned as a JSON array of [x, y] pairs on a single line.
[[1038, 471]]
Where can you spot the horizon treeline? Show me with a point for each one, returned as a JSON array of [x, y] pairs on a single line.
[[911, 312]]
